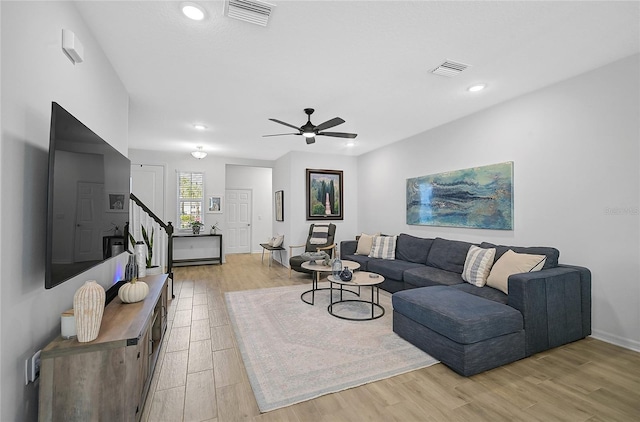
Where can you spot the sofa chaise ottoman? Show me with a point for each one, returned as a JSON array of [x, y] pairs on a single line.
[[468, 333]]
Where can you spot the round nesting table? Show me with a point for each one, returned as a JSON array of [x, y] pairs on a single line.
[[317, 269], [360, 279]]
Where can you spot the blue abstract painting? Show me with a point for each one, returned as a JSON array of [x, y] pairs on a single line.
[[478, 197]]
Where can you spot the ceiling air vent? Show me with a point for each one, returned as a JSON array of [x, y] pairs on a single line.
[[450, 68], [252, 11]]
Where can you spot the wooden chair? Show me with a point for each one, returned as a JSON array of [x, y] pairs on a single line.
[[295, 262]]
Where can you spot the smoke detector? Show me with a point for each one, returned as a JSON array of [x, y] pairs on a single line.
[[450, 68], [252, 11]]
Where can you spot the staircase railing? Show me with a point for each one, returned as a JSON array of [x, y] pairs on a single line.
[[140, 216]]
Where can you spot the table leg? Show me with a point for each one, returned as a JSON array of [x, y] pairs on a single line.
[[331, 296], [372, 308]]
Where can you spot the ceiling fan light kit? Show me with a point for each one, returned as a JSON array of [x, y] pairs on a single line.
[[310, 131]]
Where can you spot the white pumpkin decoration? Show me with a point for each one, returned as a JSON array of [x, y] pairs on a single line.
[[133, 291]]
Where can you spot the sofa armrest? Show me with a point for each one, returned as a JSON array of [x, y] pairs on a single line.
[[348, 247], [555, 304]]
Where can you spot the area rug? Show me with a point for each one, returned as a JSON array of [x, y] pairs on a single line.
[[295, 352]]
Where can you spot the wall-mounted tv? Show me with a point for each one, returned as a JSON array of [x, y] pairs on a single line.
[[87, 198]]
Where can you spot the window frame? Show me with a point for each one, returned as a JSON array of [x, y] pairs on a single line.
[[180, 200]]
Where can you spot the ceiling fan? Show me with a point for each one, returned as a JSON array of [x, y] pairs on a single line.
[[310, 131]]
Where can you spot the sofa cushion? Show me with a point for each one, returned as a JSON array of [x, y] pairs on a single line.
[[360, 259], [425, 276], [412, 249], [477, 265], [459, 316], [513, 263], [448, 255], [383, 247], [485, 292], [390, 268], [552, 253]]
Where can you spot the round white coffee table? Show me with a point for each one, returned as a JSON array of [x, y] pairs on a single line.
[[359, 279], [318, 269]]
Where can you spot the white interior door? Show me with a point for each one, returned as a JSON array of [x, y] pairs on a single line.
[[238, 211], [89, 211], [147, 183]]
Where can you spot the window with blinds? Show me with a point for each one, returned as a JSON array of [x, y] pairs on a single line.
[[190, 198]]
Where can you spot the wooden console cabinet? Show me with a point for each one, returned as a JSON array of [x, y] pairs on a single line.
[[108, 378]]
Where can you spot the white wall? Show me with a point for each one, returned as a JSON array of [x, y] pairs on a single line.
[[290, 176], [575, 148], [259, 181], [35, 72], [215, 171]]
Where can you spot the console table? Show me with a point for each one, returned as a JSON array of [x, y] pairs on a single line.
[[107, 242], [108, 378], [212, 259]]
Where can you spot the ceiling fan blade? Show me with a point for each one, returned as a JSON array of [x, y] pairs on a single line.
[[339, 134], [285, 123], [310, 140], [281, 134], [330, 123]]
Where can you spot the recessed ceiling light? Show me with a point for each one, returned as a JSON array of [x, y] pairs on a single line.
[[193, 11], [199, 126], [351, 143], [477, 87]]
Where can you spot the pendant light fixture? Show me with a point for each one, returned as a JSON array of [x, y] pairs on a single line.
[[199, 154]]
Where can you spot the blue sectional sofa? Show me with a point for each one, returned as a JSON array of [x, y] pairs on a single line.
[[473, 329]]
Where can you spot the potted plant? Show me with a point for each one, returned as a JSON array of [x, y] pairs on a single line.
[[214, 228], [148, 240], [196, 226]]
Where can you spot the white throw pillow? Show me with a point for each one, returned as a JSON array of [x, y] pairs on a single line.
[[277, 241], [513, 263], [477, 265], [365, 241], [383, 247]]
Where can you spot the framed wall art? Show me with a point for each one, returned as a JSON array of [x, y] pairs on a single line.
[[324, 195], [116, 202], [214, 204], [478, 197], [279, 205]]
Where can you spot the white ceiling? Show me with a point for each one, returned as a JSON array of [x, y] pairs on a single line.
[[368, 62]]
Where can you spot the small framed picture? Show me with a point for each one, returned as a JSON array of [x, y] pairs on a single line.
[[280, 205], [214, 204], [116, 202]]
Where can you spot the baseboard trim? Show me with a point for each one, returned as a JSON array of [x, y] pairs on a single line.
[[618, 341]]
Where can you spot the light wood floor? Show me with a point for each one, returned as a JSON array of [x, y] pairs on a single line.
[[200, 375]]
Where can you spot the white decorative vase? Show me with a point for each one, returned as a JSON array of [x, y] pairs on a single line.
[[141, 258], [88, 307]]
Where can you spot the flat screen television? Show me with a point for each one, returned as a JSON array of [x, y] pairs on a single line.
[[87, 199]]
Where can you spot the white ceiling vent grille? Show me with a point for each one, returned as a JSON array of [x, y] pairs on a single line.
[[252, 11], [450, 68]]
